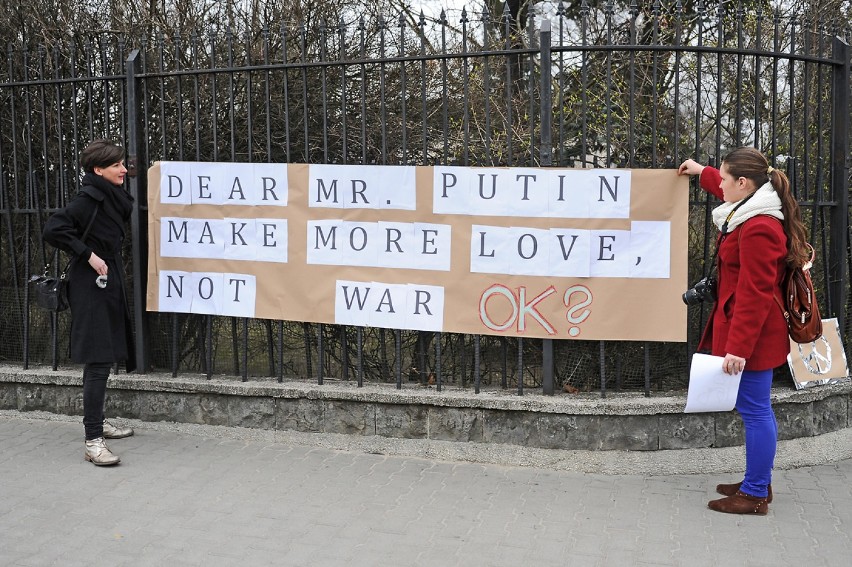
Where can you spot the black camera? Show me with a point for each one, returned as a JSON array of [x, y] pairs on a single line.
[[703, 290]]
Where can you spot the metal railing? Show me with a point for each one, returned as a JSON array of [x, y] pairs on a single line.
[[644, 89]]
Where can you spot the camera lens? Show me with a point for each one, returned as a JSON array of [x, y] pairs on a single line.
[[691, 297], [703, 290]]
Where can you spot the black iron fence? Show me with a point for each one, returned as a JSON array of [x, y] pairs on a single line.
[[643, 89]]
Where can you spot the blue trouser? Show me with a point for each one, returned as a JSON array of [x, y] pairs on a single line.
[[761, 431]]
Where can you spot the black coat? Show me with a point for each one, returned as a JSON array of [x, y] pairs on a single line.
[[101, 330]]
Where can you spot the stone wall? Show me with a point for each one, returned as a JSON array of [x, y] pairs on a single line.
[[626, 422]]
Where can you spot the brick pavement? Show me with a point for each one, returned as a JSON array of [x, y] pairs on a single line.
[[192, 496]]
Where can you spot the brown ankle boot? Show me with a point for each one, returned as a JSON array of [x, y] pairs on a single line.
[[731, 489], [740, 503]]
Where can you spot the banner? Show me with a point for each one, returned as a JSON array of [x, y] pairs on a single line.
[[535, 252]]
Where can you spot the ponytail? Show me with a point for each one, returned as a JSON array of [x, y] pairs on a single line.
[[797, 235], [752, 164]]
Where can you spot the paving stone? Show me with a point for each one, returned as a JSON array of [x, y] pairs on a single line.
[[207, 495]]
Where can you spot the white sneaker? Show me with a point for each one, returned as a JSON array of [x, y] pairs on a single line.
[[99, 454], [113, 432]]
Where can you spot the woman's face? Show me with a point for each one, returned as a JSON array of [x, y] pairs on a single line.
[[734, 188], [113, 173]]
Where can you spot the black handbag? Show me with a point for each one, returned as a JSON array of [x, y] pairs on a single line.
[[51, 293]]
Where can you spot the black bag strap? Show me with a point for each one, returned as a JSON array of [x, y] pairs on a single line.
[[85, 234]]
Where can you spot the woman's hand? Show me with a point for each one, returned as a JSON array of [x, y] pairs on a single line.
[[690, 167], [98, 264], [733, 364]]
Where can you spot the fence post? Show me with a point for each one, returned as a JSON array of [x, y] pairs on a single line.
[[137, 174], [838, 247], [546, 160]]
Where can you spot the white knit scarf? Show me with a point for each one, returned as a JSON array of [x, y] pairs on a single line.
[[765, 201]]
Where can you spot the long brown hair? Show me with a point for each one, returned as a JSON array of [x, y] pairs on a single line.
[[753, 165]]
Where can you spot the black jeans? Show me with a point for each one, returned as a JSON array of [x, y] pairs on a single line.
[[95, 376]]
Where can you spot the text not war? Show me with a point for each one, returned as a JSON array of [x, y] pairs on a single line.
[[208, 293], [392, 306]]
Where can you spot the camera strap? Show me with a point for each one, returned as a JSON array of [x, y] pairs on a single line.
[[724, 232]]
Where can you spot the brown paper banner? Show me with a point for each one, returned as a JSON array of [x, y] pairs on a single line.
[[543, 306]]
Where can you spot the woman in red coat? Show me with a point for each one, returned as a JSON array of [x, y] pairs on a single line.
[[761, 234]]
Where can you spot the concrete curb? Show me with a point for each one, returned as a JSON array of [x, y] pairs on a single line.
[[795, 453], [625, 433], [616, 403]]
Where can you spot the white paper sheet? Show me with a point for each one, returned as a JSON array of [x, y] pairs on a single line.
[[710, 389]]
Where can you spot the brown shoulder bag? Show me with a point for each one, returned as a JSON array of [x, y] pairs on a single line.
[[800, 308]]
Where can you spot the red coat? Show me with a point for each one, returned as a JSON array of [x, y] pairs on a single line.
[[745, 320]]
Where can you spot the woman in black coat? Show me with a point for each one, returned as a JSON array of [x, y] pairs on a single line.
[[101, 333]]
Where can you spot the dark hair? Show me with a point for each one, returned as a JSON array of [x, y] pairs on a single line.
[[753, 165], [100, 153]]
